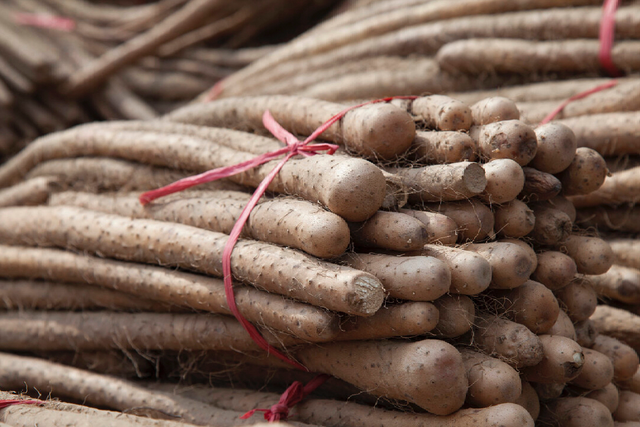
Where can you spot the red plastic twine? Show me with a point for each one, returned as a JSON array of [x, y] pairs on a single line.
[[296, 392], [580, 95], [9, 402], [607, 35], [45, 21]]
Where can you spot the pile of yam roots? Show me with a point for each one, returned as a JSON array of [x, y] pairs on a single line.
[[432, 266], [453, 264]]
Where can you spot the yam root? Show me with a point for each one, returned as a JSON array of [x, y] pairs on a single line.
[[508, 139], [69, 227], [586, 173], [284, 221], [563, 361], [377, 131], [389, 230], [440, 228], [449, 182], [505, 180], [470, 272], [513, 219], [457, 315], [507, 340], [555, 270], [168, 286], [429, 373], [491, 381], [592, 255], [414, 278]]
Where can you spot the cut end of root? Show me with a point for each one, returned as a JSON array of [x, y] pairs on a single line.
[[368, 296], [474, 178]]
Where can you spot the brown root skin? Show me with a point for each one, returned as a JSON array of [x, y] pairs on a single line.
[[507, 340], [511, 265], [168, 286], [562, 361], [551, 226], [555, 270], [57, 331], [513, 219], [592, 255], [628, 407], [442, 113], [624, 357], [437, 183], [389, 230], [103, 391], [380, 130], [401, 320], [509, 139], [563, 327], [37, 295], [443, 147], [597, 371], [457, 313], [475, 220], [586, 332], [350, 187], [531, 304], [441, 228], [170, 243], [556, 148], [491, 381], [494, 109], [586, 173], [529, 400], [539, 186], [284, 221], [608, 396], [505, 180], [333, 413], [470, 272], [34, 191], [576, 412], [563, 204], [619, 188], [429, 373], [413, 278], [578, 299]]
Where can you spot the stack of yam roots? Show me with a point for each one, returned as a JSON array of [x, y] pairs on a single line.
[[458, 261]]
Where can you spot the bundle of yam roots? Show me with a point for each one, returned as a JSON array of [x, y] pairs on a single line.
[[431, 265], [65, 62]]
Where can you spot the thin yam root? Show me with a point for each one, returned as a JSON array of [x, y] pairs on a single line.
[[332, 413], [34, 191], [170, 287], [284, 221], [33, 295], [349, 290], [104, 391], [88, 331]]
